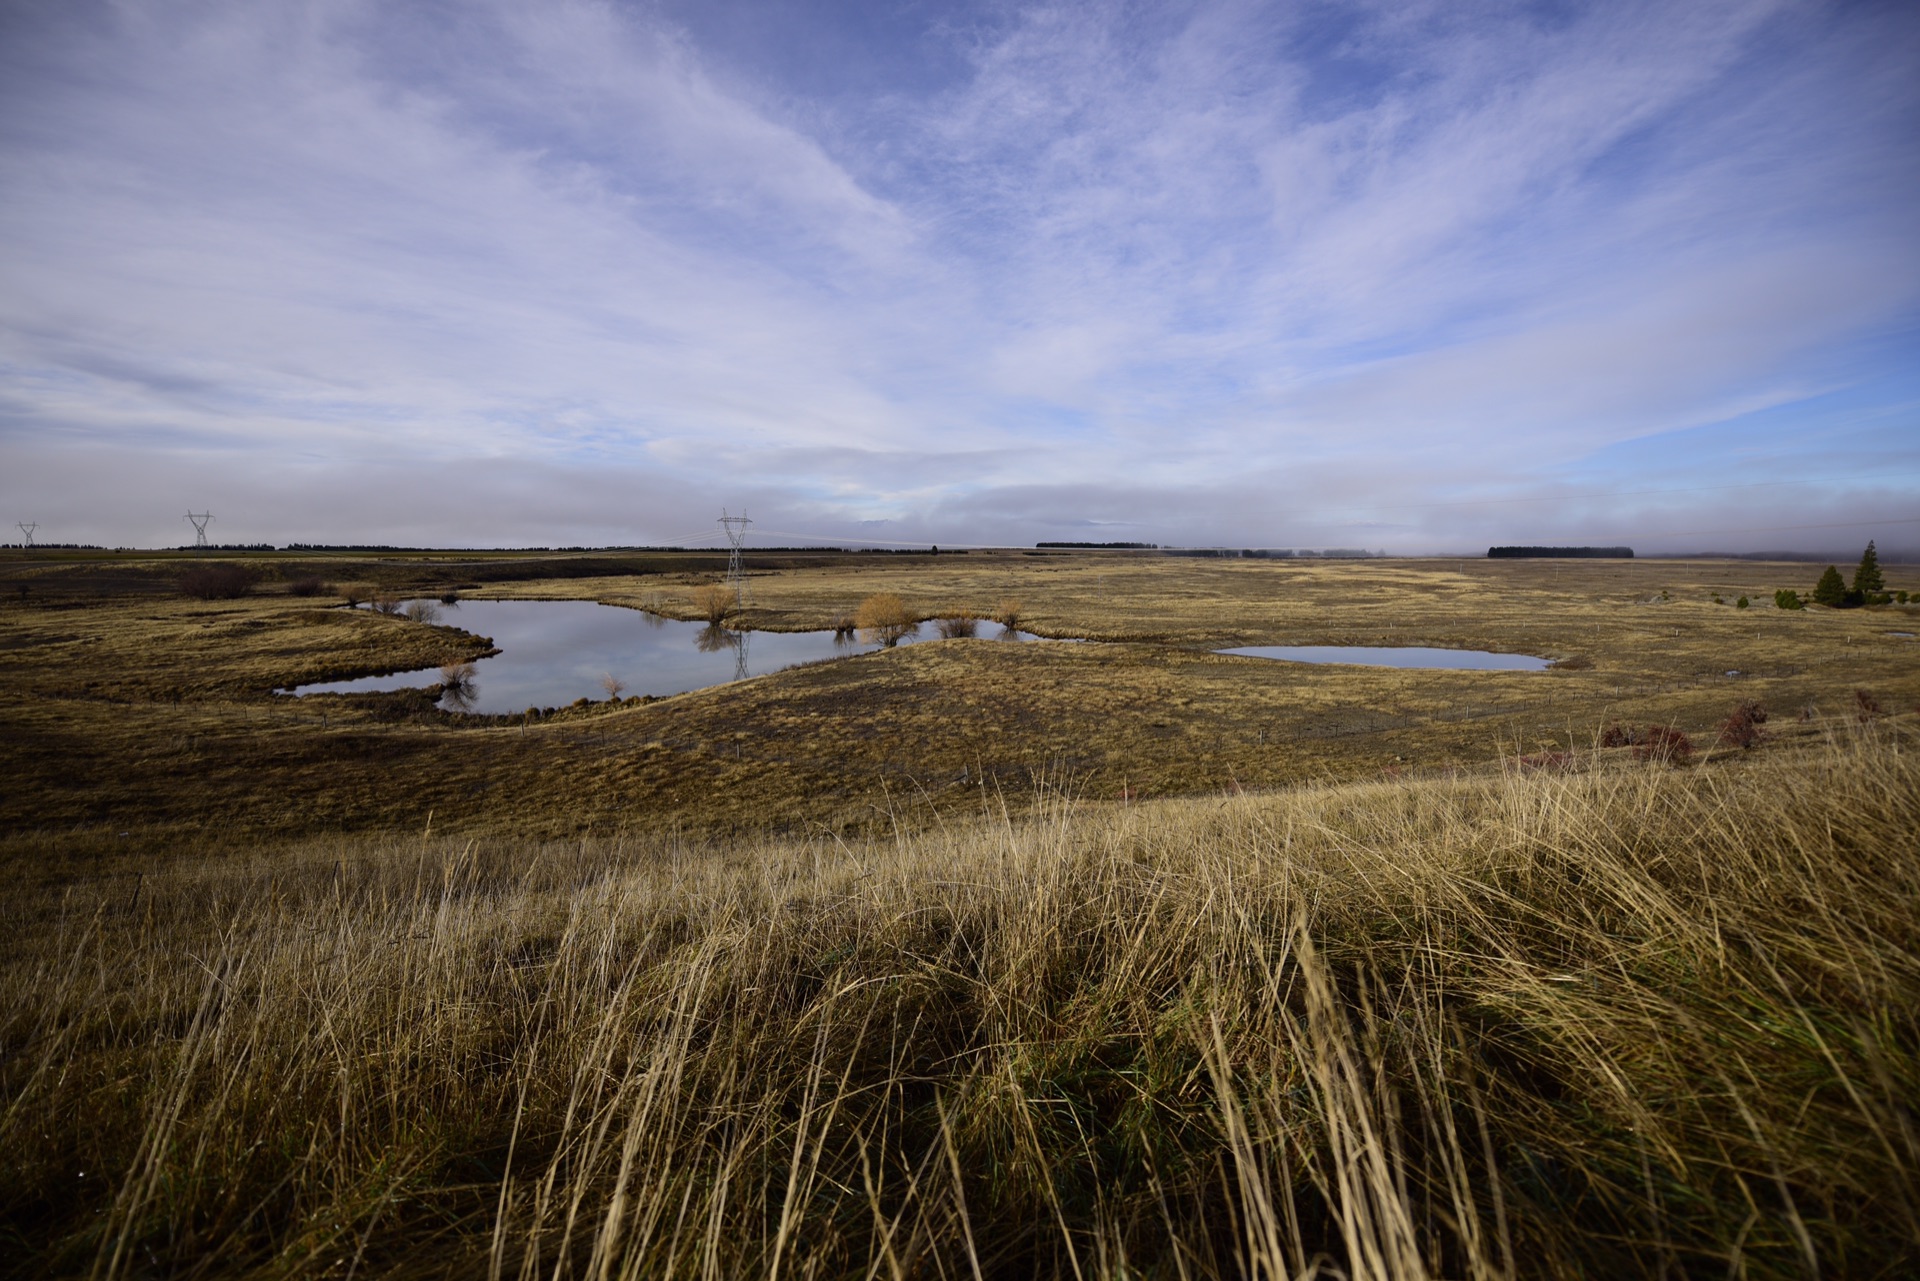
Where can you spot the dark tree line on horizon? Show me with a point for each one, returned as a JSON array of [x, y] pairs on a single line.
[[1589, 553]]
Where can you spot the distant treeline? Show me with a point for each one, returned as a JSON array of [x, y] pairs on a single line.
[[1275, 553], [227, 547], [384, 547], [1126, 547], [53, 547], [1563, 553]]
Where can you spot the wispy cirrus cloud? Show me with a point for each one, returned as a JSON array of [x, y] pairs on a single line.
[[1017, 269]]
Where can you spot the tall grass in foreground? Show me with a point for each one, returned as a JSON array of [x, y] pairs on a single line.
[[1630, 1021]]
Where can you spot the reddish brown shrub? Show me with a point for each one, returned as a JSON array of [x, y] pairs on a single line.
[[1539, 761], [217, 582], [1865, 705], [1617, 735], [1664, 743], [1742, 728]]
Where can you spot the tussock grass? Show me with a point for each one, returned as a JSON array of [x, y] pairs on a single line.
[[1626, 1020]]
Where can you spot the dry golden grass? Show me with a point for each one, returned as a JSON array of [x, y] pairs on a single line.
[[126, 708], [1626, 1020]]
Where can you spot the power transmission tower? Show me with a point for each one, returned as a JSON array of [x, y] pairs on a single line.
[[27, 527], [199, 528], [740, 671], [736, 527]]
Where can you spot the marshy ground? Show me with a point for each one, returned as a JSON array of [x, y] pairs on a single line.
[[130, 709], [964, 959]]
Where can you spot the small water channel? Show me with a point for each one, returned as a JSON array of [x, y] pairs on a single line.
[[1396, 656], [553, 652]]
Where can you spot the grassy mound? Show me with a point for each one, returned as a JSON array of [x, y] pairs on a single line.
[[1616, 1021]]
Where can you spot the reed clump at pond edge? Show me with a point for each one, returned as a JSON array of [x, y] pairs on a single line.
[[1616, 1021]]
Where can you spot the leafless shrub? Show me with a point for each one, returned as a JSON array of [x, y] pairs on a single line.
[[1539, 761], [458, 686], [613, 685], [1742, 727], [844, 628], [386, 603], [1008, 613], [450, 597], [1617, 735], [309, 585], [422, 611], [714, 639], [884, 620], [217, 582], [715, 601], [1666, 744], [959, 626]]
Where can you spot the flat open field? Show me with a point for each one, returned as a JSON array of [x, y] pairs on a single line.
[[126, 708], [965, 959]]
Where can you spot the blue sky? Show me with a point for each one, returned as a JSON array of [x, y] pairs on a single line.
[[1414, 277]]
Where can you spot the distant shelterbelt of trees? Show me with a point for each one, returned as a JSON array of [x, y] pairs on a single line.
[[384, 547], [1135, 547], [54, 547], [226, 547], [1276, 553], [1593, 553]]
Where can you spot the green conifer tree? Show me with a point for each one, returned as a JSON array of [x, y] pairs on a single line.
[[1866, 579], [1831, 590]]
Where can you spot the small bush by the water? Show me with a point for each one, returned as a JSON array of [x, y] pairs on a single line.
[[959, 626], [714, 602], [225, 581], [458, 686], [422, 611], [1008, 614], [884, 619]]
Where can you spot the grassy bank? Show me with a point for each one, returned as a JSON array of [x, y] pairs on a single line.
[[1619, 1020], [139, 710]]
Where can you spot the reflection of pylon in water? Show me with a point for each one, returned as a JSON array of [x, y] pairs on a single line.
[[736, 527], [740, 672]]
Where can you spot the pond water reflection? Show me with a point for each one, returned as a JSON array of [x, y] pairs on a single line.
[[553, 652], [1396, 656]]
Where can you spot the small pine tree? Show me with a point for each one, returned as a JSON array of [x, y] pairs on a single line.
[[1831, 590], [1866, 579]]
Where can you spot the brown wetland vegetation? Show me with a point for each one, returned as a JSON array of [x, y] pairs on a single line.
[[964, 959]]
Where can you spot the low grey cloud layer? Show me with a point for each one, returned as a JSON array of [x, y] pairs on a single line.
[[1410, 277]]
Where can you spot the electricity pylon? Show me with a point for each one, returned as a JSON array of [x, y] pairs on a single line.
[[736, 527], [27, 527], [199, 528]]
